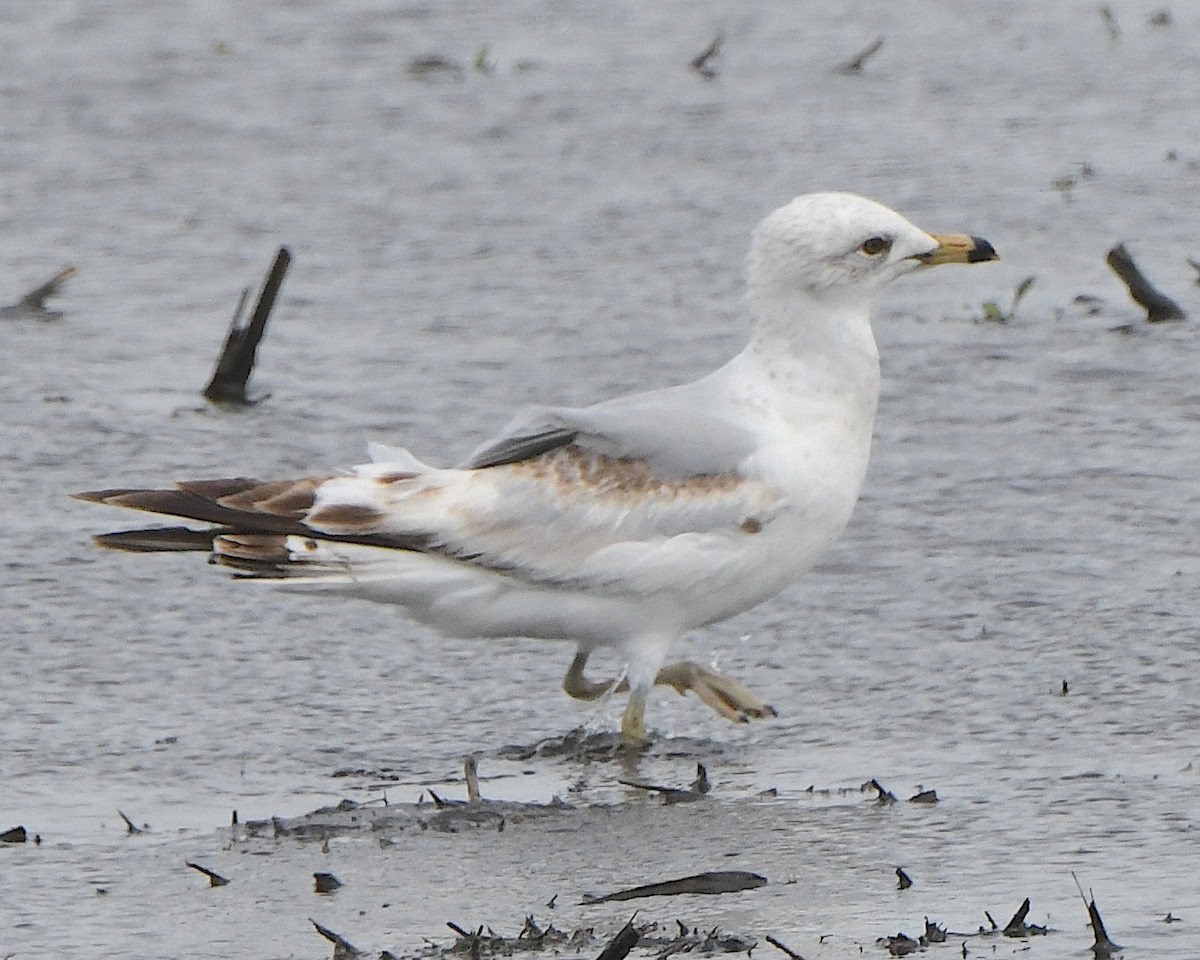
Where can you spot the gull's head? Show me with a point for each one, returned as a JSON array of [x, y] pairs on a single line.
[[839, 246]]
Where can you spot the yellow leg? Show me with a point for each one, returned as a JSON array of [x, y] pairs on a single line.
[[730, 698], [579, 687], [633, 721], [727, 696]]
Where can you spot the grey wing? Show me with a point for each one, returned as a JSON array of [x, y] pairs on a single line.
[[678, 431]]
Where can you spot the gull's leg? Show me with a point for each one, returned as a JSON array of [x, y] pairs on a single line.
[[730, 698], [633, 722], [579, 687]]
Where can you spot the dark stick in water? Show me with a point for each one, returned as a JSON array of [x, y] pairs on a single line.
[[234, 366], [720, 881], [1158, 306]]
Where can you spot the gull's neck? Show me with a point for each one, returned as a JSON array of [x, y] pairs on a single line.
[[824, 344], [811, 373]]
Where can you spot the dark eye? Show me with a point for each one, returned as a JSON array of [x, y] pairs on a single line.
[[876, 246]]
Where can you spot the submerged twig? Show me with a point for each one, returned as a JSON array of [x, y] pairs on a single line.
[[234, 366], [1103, 947], [1159, 307], [1017, 927], [341, 946], [994, 314], [34, 302], [214, 878], [702, 63], [694, 791], [619, 946], [1110, 22], [856, 63], [471, 769], [32, 306], [325, 882], [719, 881], [780, 946], [885, 796]]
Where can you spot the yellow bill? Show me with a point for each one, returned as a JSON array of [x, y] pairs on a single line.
[[958, 248]]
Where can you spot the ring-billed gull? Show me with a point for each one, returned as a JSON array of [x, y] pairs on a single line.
[[624, 524]]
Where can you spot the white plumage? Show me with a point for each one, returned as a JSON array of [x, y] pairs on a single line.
[[630, 522]]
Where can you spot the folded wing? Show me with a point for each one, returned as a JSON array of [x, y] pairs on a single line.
[[644, 490]]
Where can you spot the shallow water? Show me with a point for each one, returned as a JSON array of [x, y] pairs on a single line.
[[570, 223]]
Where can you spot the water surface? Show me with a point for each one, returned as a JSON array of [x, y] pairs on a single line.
[[569, 223]]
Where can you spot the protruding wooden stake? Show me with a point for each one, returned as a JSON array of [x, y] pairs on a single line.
[[234, 366], [1159, 306]]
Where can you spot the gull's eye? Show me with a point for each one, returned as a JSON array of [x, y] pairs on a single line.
[[876, 246]]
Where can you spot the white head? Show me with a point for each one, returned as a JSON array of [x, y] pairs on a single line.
[[840, 247]]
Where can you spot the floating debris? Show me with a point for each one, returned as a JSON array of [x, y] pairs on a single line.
[[904, 881], [1017, 927], [451, 816], [696, 790], [933, 933], [619, 946], [483, 62], [32, 306], [579, 745], [433, 65], [924, 796], [885, 798], [15, 835], [719, 881], [471, 772], [342, 947], [236, 363], [1110, 22], [703, 63], [214, 878], [992, 312], [698, 941], [325, 882], [1158, 306], [132, 827], [784, 947], [900, 944], [1103, 947], [859, 60]]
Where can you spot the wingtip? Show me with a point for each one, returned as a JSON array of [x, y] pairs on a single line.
[[98, 496]]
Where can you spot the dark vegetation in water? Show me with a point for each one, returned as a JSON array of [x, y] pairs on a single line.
[[651, 938], [32, 306], [240, 350], [1159, 307]]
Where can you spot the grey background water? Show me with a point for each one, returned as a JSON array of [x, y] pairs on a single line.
[[569, 223]]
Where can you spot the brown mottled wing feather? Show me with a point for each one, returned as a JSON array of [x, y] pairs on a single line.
[[195, 501], [158, 539], [239, 507]]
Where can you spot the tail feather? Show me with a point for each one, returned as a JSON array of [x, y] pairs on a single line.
[[158, 539], [251, 520]]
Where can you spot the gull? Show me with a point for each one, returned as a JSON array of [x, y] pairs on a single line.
[[624, 524]]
